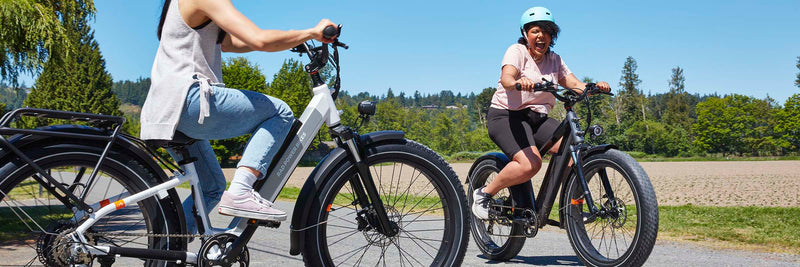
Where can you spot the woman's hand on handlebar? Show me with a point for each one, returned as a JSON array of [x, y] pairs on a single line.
[[317, 31], [603, 86], [524, 84]]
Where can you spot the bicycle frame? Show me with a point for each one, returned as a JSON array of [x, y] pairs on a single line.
[[321, 109], [573, 149]]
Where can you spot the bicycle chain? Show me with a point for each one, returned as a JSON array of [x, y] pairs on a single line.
[[147, 235]]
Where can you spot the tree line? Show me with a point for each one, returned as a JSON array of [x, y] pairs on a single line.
[[72, 76]]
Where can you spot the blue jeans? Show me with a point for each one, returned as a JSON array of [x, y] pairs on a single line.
[[233, 113]]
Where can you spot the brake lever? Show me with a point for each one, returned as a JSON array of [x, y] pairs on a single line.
[[340, 44]]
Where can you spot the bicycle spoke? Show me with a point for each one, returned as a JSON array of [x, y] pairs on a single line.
[[353, 252]]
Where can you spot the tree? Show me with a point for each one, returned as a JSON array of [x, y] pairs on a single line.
[[79, 82], [238, 73], [292, 85], [797, 81], [35, 31], [629, 102], [788, 124], [132, 92], [736, 124], [677, 112], [482, 103]]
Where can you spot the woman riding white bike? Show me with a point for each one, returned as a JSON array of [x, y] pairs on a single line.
[[187, 96], [517, 119]]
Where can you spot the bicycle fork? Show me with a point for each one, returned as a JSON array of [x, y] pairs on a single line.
[[364, 186], [587, 195]]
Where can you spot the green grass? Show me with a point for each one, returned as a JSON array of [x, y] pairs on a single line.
[[773, 228], [13, 228]]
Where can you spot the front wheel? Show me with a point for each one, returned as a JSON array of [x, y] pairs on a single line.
[[422, 197], [624, 230]]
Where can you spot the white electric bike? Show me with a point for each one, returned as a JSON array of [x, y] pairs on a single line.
[[75, 195]]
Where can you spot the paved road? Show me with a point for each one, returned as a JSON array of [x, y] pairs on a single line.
[[270, 247]]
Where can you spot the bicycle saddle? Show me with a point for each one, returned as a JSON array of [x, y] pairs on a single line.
[[178, 140]]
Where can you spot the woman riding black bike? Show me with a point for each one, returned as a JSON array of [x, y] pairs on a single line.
[[187, 97], [517, 118]]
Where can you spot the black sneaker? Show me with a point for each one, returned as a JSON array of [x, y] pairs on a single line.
[[480, 204]]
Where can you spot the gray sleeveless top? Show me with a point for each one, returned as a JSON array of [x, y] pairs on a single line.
[[185, 56]]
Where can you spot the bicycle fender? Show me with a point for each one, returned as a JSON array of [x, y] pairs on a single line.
[[497, 156], [597, 149], [319, 176]]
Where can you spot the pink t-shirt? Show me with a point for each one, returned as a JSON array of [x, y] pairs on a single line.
[[552, 68]]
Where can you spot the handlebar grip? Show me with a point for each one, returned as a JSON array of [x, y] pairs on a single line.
[[518, 87], [329, 32]]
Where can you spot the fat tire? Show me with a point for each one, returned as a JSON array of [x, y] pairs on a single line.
[[161, 215], [455, 207], [646, 205]]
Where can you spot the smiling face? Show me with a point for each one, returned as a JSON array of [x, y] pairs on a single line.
[[538, 42]]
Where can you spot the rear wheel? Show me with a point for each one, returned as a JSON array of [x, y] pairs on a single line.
[[624, 232], [498, 241], [35, 221], [422, 197]]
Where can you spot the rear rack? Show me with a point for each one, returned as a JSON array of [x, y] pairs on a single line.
[[104, 121]]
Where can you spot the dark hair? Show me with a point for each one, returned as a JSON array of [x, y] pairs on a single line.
[[163, 16], [548, 27]]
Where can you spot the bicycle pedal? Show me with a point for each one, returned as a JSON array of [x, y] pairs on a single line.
[[266, 223]]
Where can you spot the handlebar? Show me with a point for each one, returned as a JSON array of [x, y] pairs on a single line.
[[549, 86], [330, 32]]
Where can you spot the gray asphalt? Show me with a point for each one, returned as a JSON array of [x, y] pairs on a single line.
[[270, 247]]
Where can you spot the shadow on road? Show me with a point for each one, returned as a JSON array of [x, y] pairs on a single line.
[[540, 260]]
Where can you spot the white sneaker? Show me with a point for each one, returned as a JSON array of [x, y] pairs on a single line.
[[480, 204], [250, 205]]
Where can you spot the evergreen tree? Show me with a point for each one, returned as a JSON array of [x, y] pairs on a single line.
[[629, 102], [797, 81], [132, 92], [79, 82], [677, 113], [34, 31]]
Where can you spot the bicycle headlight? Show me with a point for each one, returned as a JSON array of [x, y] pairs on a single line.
[[595, 130]]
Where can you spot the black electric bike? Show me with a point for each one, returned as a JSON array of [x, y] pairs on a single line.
[[75, 195], [607, 204]]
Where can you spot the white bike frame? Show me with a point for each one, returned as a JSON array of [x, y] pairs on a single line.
[[320, 109]]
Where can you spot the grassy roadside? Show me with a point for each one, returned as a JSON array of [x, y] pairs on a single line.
[[767, 229], [770, 229]]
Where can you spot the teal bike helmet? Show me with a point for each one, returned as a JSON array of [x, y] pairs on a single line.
[[535, 14]]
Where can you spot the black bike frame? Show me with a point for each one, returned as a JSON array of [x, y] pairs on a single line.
[[558, 169]]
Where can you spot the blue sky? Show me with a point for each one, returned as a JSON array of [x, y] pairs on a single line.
[[744, 47]]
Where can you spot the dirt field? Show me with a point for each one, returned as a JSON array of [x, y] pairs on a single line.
[[714, 183]]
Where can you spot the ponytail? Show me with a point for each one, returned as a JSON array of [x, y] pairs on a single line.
[[163, 16]]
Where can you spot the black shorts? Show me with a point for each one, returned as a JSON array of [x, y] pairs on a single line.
[[513, 130]]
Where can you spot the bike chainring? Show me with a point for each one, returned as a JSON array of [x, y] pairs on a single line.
[[216, 246], [531, 226]]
